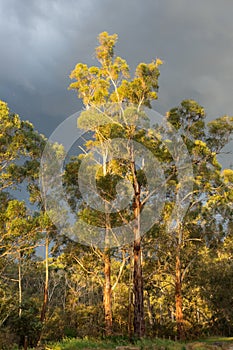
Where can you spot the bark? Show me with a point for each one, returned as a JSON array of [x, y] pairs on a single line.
[[25, 346], [139, 323], [107, 292], [130, 295], [46, 283], [22, 338], [20, 283], [107, 265], [46, 289], [178, 298]]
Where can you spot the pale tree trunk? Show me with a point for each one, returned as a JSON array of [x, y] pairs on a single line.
[[130, 295], [20, 282], [23, 338], [178, 297], [107, 265], [46, 288], [107, 292], [46, 282]]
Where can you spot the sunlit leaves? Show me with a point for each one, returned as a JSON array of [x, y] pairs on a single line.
[[19, 145], [111, 81]]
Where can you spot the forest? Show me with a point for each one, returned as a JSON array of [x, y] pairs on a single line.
[[150, 253]]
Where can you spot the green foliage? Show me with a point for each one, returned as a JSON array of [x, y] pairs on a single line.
[[27, 325], [189, 116], [18, 141], [111, 81], [76, 278]]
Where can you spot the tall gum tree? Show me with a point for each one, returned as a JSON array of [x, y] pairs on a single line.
[[176, 253], [97, 87], [203, 141]]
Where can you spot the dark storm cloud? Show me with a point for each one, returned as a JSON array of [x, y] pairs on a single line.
[[36, 43], [41, 41]]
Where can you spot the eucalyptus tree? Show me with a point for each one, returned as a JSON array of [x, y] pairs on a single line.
[[21, 147], [204, 142], [114, 107], [98, 87]]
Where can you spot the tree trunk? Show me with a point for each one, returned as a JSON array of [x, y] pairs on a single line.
[[139, 323], [20, 282], [130, 295], [107, 264], [46, 289], [46, 283], [107, 292], [178, 298]]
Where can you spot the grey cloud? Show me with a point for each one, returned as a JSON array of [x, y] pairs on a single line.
[[41, 41]]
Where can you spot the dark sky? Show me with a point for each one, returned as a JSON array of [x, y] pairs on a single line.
[[41, 41]]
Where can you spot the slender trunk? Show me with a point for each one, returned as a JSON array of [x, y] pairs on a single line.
[[178, 298], [46, 289], [107, 292], [130, 295], [107, 264], [20, 283], [139, 323], [25, 345], [139, 326], [22, 336], [46, 283]]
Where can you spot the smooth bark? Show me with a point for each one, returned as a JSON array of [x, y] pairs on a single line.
[[178, 298], [107, 293]]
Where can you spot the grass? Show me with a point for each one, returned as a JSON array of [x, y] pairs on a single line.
[[212, 340], [87, 343], [143, 344]]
